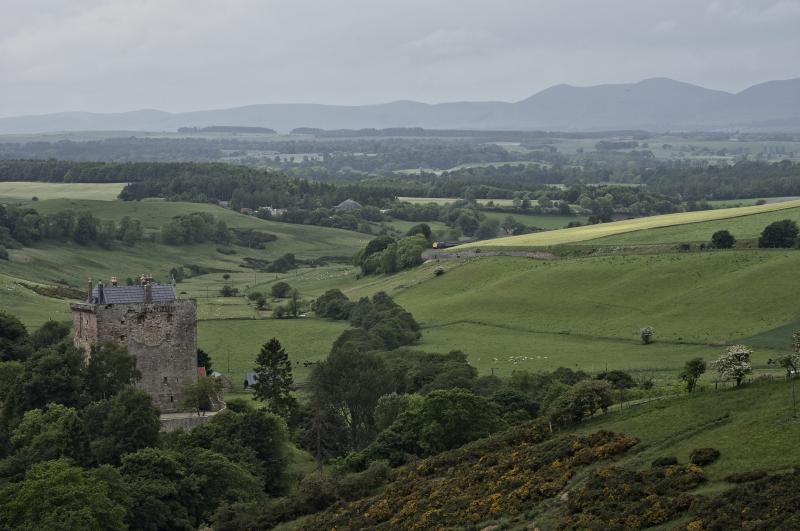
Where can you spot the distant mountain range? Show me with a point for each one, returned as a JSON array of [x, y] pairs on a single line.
[[657, 104]]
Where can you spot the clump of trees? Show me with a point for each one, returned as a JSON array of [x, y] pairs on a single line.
[[385, 255], [259, 299], [779, 234], [197, 227], [333, 304], [26, 226], [82, 448], [292, 309]]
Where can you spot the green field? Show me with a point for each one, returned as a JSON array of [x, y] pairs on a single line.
[[592, 232], [25, 191], [509, 313], [237, 342]]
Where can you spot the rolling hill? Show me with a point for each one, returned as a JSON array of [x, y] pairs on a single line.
[[657, 104]]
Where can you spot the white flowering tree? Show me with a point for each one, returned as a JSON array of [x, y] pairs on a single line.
[[734, 364]]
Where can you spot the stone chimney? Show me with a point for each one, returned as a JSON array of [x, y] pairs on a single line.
[[89, 294], [148, 293], [114, 281], [101, 296]]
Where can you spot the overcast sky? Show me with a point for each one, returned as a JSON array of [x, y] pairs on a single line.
[[179, 55]]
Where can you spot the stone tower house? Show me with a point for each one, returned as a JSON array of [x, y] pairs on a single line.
[[153, 324]]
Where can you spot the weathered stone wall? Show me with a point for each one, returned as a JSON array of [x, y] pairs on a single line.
[[162, 336], [84, 322]]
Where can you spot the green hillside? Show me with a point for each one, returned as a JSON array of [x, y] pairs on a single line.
[[752, 427], [508, 313], [227, 325], [525, 477], [505, 313]]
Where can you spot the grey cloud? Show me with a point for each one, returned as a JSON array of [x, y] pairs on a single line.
[[178, 55]]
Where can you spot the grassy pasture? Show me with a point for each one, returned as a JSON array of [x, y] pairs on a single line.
[[592, 232], [24, 191], [509, 313], [239, 341]]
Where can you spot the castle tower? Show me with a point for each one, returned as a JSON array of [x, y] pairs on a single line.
[[153, 324]]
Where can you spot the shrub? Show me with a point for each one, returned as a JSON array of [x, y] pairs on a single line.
[[703, 456], [617, 379], [3, 253], [745, 477], [664, 461], [228, 291], [647, 334], [283, 264], [281, 290]]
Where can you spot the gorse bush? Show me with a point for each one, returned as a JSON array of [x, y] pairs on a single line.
[[619, 498], [501, 475], [660, 462], [767, 503], [703, 456]]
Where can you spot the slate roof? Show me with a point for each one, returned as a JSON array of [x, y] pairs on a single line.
[[133, 294]]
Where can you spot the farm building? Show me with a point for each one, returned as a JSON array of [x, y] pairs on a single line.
[[250, 379]]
